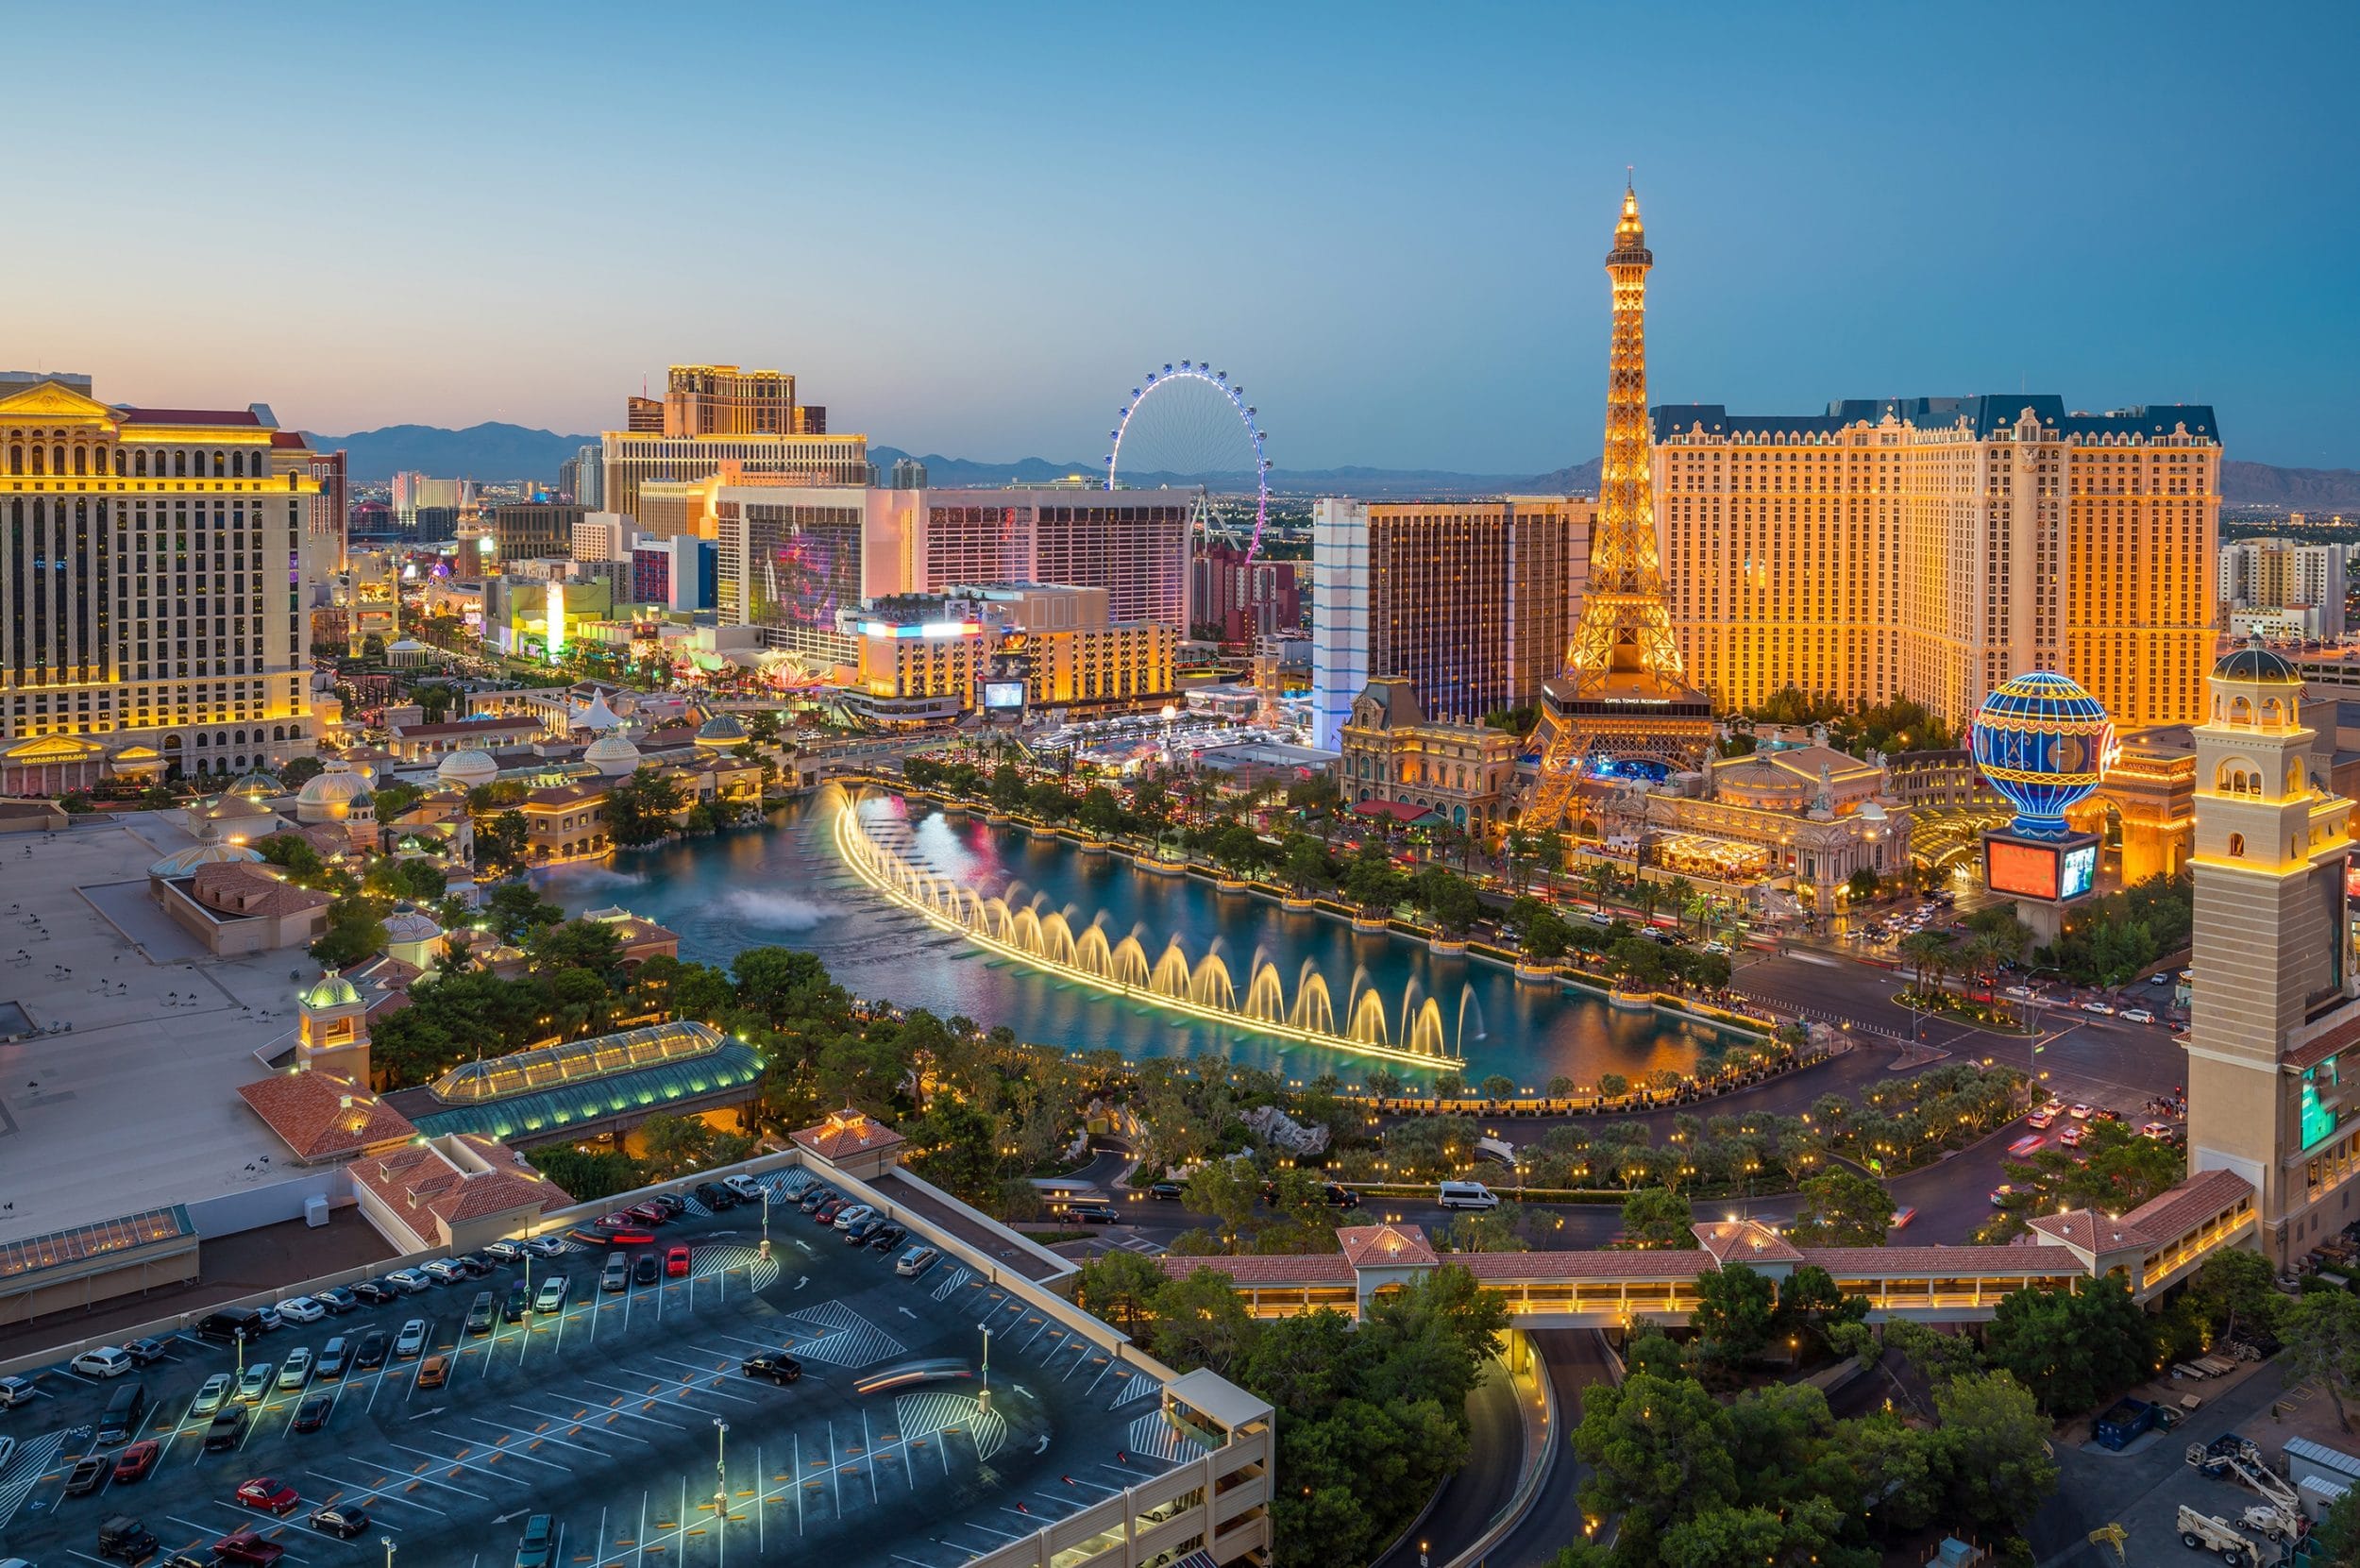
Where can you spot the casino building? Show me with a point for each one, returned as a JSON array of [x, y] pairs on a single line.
[[149, 621]]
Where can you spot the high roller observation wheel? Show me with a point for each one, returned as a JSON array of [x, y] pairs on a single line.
[[1219, 381]]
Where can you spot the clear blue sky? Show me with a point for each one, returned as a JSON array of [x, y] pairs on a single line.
[[971, 234]]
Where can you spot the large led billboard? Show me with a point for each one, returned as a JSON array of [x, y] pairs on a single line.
[[2025, 870], [1004, 694], [2080, 870]]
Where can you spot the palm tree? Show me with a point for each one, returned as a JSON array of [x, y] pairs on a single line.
[[1680, 894], [1930, 953], [1601, 879]]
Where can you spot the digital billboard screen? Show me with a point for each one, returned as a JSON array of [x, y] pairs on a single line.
[[2080, 870], [1004, 694], [2026, 871]]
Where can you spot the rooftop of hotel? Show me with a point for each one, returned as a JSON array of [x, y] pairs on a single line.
[[1989, 414]]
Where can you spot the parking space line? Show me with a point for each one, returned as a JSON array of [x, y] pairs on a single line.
[[614, 1411], [582, 1417], [376, 1495], [460, 1461], [535, 1438], [419, 1477], [651, 1398], [716, 1373], [870, 1452]]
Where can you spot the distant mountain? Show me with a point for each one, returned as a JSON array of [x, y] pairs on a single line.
[[2293, 489], [498, 451], [489, 451]]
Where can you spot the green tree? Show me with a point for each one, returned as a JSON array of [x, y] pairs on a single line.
[[786, 986], [640, 809], [2233, 1286], [355, 930], [502, 843], [516, 910], [2338, 1535], [1863, 883], [2321, 1331], [1813, 1310], [1227, 1190], [1658, 1448], [590, 946], [2072, 1349], [1990, 1448], [677, 1146], [1450, 899], [1807, 1533], [1119, 1287], [1842, 1210], [587, 1177], [1658, 1217], [1736, 1311], [1200, 1322]]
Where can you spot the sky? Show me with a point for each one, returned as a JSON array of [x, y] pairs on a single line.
[[970, 229]]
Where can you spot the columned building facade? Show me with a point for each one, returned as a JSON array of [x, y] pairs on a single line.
[[150, 562]]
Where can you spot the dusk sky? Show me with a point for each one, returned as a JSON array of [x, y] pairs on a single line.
[[970, 234]]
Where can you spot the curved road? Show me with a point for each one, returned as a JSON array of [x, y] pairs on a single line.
[[1471, 1498]]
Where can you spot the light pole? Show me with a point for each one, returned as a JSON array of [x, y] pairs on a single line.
[[984, 1402], [720, 1481], [765, 1224], [388, 1542]]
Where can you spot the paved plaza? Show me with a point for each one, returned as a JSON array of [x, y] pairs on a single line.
[[131, 1104]]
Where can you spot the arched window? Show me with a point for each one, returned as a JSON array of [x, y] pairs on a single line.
[[242, 762], [237, 465], [57, 460], [240, 738], [81, 460], [221, 465], [2236, 846], [2240, 711], [2272, 713], [119, 464], [278, 731], [180, 466], [41, 462], [139, 463], [16, 459], [221, 737]]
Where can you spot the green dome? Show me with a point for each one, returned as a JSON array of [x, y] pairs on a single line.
[[332, 990]]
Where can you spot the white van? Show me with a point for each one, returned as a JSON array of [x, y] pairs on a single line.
[[1468, 1195]]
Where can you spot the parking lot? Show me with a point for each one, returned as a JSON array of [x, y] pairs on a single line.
[[609, 1416]]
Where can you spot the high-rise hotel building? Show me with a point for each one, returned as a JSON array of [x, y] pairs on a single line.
[[716, 414], [1932, 547], [1473, 601], [149, 577]]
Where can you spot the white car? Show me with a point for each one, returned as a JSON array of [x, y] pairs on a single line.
[[915, 1261], [302, 1310], [745, 1186], [441, 1271], [546, 1246], [412, 1339], [15, 1391], [506, 1252], [2137, 1014], [211, 1398], [2103, 1009], [106, 1361], [851, 1215], [297, 1370], [410, 1281]]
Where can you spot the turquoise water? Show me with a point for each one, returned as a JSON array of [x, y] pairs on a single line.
[[784, 884]]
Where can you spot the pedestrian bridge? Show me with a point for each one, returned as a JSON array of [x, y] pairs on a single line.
[[2153, 1248]]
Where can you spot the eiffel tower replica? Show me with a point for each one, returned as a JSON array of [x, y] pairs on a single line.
[[1624, 696]]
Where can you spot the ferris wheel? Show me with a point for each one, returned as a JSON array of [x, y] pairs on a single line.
[[1196, 427]]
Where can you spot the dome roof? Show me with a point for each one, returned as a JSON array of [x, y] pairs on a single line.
[[256, 785], [2045, 744], [340, 785], [228, 808], [723, 730], [611, 754], [179, 863], [332, 990], [474, 766], [408, 923], [2256, 665]]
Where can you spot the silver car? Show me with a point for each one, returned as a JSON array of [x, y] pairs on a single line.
[[411, 1341]]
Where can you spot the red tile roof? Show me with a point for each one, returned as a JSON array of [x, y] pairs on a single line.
[[322, 1116], [242, 888], [1364, 1245], [1400, 810], [2304, 1057], [419, 1180], [1326, 1268], [2168, 1215], [848, 1132], [1745, 1241], [287, 438]]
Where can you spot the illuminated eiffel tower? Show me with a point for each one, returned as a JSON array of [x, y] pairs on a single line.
[[1624, 696]]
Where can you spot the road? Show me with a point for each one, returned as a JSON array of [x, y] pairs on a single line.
[[1577, 1359], [1482, 1486]]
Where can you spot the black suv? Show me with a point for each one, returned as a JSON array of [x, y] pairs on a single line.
[[778, 1367], [716, 1197]]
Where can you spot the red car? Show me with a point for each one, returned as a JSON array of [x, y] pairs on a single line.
[[648, 1214], [134, 1462], [247, 1546], [676, 1261], [826, 1212], [264, 1494]]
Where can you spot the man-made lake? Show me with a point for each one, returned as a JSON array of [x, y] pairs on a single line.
[[786, 886]]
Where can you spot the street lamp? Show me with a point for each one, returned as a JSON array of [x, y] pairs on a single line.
[[720, 1478], [984, 1400], [388, 1542]]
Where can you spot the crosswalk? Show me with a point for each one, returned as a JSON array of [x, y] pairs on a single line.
[[1137, 1386], [32, 1460], [834, 1333], [958, 1276], [923, 1415], [1154, 1435]]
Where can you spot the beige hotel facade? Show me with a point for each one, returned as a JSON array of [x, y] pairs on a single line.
[[1932, 547]]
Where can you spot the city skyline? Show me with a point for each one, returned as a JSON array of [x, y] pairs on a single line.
[[954, 265]]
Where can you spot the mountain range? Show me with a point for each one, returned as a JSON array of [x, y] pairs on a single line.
[[498, 451]]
